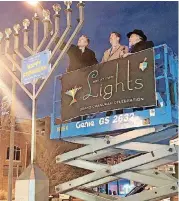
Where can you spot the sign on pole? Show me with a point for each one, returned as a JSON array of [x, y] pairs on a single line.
[[35, 67]]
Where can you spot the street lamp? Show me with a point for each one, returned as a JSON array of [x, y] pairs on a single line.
[[32, 2], [34, 94], [36, 5]]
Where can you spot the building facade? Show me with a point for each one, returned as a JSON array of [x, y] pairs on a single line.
[[47, 150], [22, 143]]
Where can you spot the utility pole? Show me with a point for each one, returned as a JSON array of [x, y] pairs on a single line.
[[12, 132], [12, 110]]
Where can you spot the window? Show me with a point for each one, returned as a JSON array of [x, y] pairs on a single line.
[[40, 132], [17, 170], [17, 153], [5, 170], [43, 132]]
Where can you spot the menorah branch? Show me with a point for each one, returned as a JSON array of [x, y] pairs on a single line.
[[46, 34], [57, 27], [35, 33], [9, 57], [64, 35], [33, 140], [26, 42], [16, 46]]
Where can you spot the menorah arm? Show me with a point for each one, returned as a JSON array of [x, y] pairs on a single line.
[[16, 46], [29, 50], [35, 32], [10, 58], [46, 35], [77, 29], [26, 43], [18, 53], [63, 44], [67, 46], [3, 65], [64, 35], [57, 27]]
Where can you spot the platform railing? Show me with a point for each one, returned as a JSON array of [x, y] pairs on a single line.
[[165, 74]]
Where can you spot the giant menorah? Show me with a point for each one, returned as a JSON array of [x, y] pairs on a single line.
[[15, 59]]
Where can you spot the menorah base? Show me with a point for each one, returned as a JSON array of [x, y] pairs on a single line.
[[32, 185]]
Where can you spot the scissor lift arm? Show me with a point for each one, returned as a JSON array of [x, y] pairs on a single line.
[[140, 168]]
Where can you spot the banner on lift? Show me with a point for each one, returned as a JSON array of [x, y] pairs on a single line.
[[118, 84]]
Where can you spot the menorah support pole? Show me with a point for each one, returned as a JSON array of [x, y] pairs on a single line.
[[33, 140], [11, 147], [33, 184]]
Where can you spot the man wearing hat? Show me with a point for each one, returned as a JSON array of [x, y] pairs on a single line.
[[138, 41]]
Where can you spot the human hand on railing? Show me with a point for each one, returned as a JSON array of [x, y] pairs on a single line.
[[126, 54]]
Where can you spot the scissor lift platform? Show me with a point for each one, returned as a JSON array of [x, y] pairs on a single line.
[[147, 131]]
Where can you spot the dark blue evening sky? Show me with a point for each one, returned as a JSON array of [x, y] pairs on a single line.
[[159, 21]]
